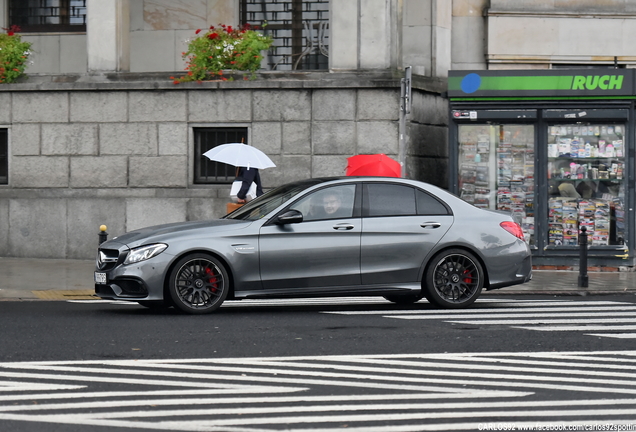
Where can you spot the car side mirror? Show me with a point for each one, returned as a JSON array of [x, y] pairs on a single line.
[[289, 217]]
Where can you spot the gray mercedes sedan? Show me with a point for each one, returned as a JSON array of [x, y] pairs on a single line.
[[396, 238]]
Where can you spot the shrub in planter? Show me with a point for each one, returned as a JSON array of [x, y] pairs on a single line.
[[224, 48], [14, 54]]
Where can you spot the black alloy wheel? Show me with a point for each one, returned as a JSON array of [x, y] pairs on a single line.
[[454, 279], [198, 284]]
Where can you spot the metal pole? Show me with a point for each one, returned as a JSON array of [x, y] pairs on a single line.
[[402, 143], [405, 108], [583, 279]]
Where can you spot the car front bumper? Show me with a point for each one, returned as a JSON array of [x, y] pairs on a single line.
[[139, 281]]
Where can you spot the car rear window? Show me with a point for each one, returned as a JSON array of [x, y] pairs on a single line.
[[400, 200], [389, 200], [429, 205]]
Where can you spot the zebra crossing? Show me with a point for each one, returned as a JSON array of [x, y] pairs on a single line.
[[362, 393], [611, 319]]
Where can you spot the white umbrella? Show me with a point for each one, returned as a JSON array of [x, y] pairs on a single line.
[[239, 154]]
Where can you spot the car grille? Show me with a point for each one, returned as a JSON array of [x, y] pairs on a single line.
[[108, 259]]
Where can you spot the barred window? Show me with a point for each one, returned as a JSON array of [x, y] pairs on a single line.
[[210, 172], [4, 157], [48, 15], [300, 29]]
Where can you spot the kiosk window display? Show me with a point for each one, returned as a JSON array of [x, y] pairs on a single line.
[[586, 178]]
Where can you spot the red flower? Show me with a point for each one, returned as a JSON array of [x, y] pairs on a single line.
[[211, 27], [12, 30], [213, 36], [198, 31], [229, 29]]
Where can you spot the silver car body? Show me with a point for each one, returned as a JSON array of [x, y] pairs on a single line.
[[356, 255]]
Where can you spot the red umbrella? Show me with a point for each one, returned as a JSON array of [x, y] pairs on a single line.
[[379, 165]]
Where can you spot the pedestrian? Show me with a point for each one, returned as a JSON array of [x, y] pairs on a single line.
[[248, 176]]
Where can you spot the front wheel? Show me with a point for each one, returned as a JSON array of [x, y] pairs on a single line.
[[198, 284], [454, 279]]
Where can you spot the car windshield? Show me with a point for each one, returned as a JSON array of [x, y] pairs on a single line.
[[265, 204]]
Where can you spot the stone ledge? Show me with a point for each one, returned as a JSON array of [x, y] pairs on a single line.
[[264, 80], [192, 191]]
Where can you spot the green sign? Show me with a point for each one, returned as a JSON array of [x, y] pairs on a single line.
[[553, 83]]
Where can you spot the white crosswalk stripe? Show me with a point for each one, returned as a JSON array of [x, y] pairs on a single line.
[[387, 393], [594, 318]]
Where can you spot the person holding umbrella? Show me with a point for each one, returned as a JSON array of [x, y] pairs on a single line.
[[247, 176], [247, 160]]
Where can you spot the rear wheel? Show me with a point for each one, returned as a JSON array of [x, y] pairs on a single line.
[[198, 284], [454, 279]]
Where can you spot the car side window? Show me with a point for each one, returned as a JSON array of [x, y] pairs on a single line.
[[429, 205], [330, 203], [389, 200]]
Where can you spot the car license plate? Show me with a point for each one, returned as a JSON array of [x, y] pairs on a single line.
[[100, 278]]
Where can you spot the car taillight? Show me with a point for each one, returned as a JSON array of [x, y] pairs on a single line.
[[513, 228]]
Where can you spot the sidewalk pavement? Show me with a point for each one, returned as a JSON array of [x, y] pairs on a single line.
[[56, 279]]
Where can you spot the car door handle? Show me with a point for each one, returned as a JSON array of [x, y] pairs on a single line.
[[343, 226], [430, 225]]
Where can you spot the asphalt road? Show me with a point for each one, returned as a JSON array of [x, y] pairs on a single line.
[[321, 365]]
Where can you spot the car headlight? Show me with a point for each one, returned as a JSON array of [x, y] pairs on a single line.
[[143, 253]]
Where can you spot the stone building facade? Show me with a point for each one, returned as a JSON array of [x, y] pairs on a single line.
[[99, 134]]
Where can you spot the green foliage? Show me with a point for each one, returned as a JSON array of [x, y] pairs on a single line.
[[224, 48], [13, 55]]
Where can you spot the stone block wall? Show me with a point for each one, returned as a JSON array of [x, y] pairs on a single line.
[[427, 147], [113, 153]]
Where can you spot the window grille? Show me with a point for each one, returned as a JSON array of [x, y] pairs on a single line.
[[300, 29], [48, 15], [210, 172], [4, 157]]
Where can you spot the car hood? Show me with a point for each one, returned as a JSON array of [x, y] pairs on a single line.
[[164, 233]]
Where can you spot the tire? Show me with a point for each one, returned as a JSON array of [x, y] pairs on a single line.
[[404, 299], [155, 304], [198, 284], [454, 279]]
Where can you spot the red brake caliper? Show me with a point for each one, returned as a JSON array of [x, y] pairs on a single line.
[[468, 278], [213, 279]]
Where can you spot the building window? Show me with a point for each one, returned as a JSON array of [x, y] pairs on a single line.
[[300, 29], [48, 15], [207, 171], [4, 157]]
